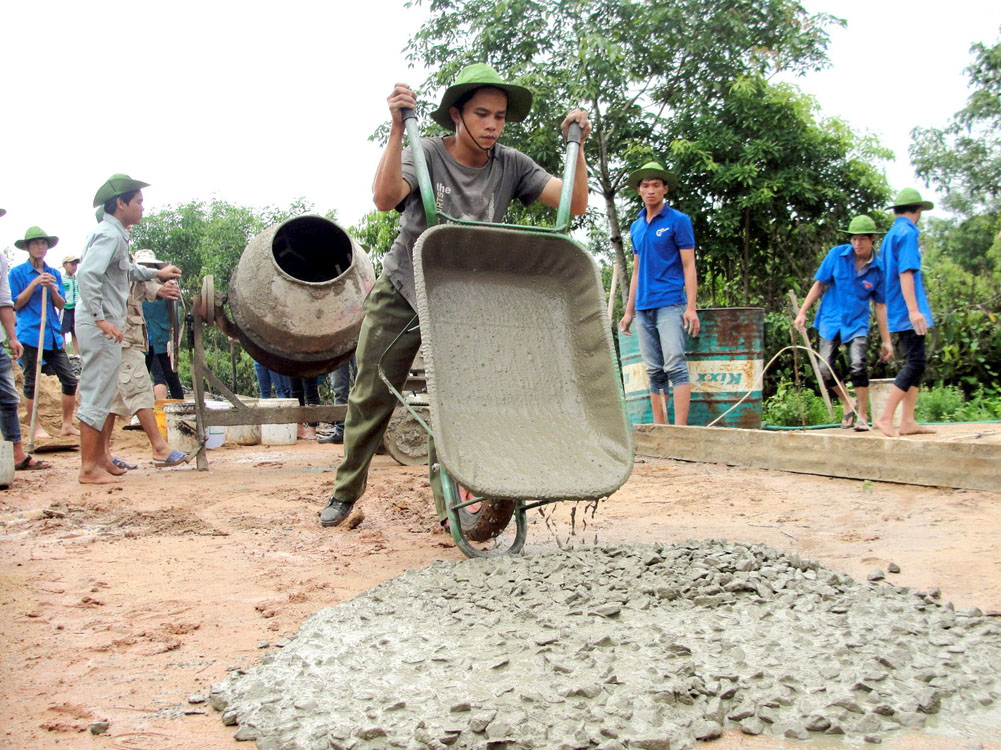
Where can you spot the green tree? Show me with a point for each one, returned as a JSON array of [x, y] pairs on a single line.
[[630, 64], [768, 184], [964, 158], [376, 232]]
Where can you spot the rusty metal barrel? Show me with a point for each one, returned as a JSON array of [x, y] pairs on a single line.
[[296, 296], [725, 362]]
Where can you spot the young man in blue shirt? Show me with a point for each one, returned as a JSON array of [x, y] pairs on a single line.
[[850, 276], [27, 281], [908, 312], [662, 290]]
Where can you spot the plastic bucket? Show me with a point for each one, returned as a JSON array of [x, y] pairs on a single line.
[[161, 417], [6, 464], [245, 434], [278, 434], [725, 361], [635, 381], [182, 430], [879, 394]]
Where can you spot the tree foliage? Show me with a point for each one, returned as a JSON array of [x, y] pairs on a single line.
[[964, 158]]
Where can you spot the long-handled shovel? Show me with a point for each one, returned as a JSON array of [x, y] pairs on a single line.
[[794, 306], [38, 370]]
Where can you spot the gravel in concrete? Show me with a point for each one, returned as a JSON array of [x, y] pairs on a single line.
[[646, 646]]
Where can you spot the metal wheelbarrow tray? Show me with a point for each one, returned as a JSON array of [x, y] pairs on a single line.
[[520, 367]]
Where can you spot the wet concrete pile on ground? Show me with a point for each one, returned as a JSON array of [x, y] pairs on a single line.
[[652, 646]]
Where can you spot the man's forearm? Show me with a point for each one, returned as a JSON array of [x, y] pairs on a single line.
[[9, 322]]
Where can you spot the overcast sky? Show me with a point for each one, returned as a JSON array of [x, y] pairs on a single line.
[[260, 102]]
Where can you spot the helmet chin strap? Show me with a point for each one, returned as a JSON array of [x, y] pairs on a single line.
[[473, 137]]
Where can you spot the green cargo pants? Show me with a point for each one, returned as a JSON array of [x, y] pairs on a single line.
[[371, 403]]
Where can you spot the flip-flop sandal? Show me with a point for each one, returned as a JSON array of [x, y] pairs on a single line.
[[124, 464], [175, 458], [30, 464], [861, 427], [848, 420]]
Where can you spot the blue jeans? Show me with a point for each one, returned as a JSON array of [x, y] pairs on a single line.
[[266, 379], [662, 342], [10, 426], [859, 374], [341, 381]]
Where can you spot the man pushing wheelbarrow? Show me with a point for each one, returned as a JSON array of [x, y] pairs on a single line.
[[468, 179]]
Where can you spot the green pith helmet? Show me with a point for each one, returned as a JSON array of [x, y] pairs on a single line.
[[35, 233], [862, 224], [652, 171], [519, 99], [911, 197], [115, 186]]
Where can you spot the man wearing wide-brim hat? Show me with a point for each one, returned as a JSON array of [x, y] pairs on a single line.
[[474, 177], [907, 309], [10, 425], [135, 393], [850, 277], [27, 282], [662, 290], [104, 277]]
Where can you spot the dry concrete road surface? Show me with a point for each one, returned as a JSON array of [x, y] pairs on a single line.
[[118, 604]]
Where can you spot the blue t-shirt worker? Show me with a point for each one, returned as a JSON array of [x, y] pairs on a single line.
[[662, 290], [27, 281], [907, 309], [849, 277]]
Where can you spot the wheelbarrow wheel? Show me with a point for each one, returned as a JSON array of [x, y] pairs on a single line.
[[405, 439], [488, 521]]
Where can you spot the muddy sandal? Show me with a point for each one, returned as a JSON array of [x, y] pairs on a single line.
[[861, 426], [848, 420], [32, 464]]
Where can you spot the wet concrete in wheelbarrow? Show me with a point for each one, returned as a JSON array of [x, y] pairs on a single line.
[[641, 646]]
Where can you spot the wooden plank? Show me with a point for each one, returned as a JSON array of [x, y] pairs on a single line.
[[973, 466]]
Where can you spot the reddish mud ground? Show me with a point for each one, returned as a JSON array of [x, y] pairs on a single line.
[[119, 603]]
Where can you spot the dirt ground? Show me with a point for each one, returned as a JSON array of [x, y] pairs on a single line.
[[120, 603]]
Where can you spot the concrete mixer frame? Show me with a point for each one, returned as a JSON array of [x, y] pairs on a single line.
[[240, 413]]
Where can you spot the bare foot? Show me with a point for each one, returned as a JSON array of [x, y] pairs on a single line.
[[305, 432], [70, 430], [913, 428], [886, 427], [98, 476], [41, 434]]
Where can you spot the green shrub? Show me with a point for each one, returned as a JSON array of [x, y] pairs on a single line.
[[946, 403], [790, 407]]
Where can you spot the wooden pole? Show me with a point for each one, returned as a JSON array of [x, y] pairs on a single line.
[[813, 357], [38, 369]]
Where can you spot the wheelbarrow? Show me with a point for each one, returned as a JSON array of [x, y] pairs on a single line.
[[526, 406]]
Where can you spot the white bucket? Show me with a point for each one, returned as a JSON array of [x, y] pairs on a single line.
[[879, 394], [278, 434], [182, 430], [215, 435], [244, 434], [6, 464]]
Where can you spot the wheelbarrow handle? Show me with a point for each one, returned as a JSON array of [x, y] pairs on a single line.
[[569, 172], [420, 162]]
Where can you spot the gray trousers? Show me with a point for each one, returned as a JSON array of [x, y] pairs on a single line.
[[101, 359]]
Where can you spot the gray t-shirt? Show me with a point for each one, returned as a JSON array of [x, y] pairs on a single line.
[[477, 193]]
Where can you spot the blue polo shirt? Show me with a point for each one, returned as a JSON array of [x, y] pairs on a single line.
[[844, 308], [901, 253], [658, 244], [29, 317]]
